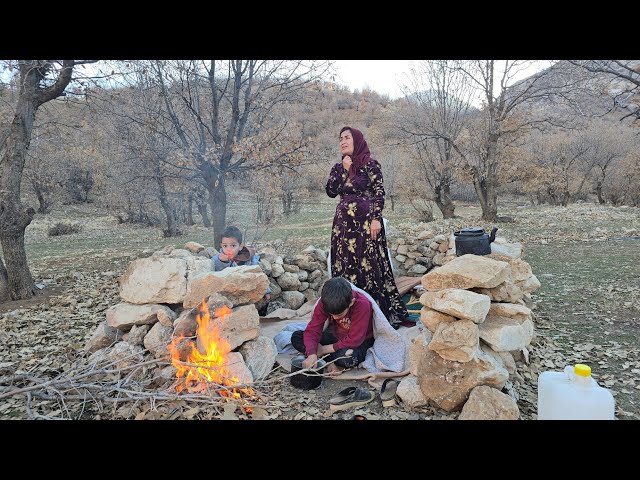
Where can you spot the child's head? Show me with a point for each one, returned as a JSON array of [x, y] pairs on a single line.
[[231, 241], [336, 297]]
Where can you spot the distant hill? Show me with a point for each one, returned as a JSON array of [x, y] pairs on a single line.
[[580, 93]]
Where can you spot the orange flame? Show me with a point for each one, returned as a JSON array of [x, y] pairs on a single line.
[[202, 368]]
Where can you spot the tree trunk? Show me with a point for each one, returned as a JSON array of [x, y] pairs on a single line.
[[4, 284], [218, 203], [14, 216], [392, 199], [20, 281], [287, 202], [444, 202], [169, 211], [601, 199], [202, 208], [170, 214], [486, 192], [489, 198], [189, 220], [43, 204]]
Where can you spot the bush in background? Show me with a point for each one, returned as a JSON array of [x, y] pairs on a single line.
[[63, 229]]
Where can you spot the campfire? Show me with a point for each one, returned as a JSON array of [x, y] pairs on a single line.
[[206, 365]]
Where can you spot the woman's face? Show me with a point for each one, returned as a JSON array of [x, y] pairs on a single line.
[[346, 143]]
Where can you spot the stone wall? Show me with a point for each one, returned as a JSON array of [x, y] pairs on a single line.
[[413, 256], [161, 295]]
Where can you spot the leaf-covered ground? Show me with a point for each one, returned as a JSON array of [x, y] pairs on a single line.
[[587, 311]]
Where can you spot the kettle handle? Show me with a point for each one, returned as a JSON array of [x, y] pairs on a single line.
[[493, 234]]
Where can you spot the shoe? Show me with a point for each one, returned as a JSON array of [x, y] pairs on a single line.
[[350, 397], [388, 392]]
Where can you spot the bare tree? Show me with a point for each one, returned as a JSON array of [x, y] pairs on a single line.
[[225, 118], [623, 185], [508, 111], [439, 98], [610, 143], [559, 166], [37, 82]]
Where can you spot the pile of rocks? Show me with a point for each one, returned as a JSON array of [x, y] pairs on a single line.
[[478, 324], [295, 279], [413, 256], [161, 295]]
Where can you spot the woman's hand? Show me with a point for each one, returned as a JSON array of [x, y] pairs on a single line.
[[310, 361], [375, 228], [346, 162]]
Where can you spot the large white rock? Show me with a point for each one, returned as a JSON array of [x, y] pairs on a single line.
[[487, 403], [467, 271], [123, 315], [458, 303], [505, 334], [154, 280], [520, 270], [530, 285], [259, 356], [511, 310], [457, 341], [241, 285], [447, 383], [432, 318], [409, 392], [505, 292]]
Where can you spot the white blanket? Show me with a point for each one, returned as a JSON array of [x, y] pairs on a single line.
[[389, 350]]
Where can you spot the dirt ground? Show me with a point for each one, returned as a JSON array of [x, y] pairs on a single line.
[[587, 311]]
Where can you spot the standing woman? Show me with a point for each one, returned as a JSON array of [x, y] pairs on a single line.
[[358, 240]]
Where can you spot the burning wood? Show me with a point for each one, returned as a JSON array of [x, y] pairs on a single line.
[[210, 363]]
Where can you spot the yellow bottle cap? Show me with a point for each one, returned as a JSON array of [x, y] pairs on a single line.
[[582, 370]]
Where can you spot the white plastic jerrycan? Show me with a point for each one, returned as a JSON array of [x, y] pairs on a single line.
[[573, 395]]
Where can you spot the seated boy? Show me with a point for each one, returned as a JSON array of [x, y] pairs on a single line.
[[349, 333], [234, 253]]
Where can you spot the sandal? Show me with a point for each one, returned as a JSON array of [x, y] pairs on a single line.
[[350, 397], [388, 392]]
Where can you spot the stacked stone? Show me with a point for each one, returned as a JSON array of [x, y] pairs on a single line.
[[477, 323], [295, 279], [413, 256], [161, 295]]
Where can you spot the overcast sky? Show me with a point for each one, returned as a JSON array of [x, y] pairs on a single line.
[[385, 76]]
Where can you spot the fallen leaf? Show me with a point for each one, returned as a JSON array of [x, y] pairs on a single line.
[[228, 413]]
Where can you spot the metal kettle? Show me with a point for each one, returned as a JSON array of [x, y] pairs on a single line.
[[474, 240]]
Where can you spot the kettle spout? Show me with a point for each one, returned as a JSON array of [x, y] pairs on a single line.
[[493, 234]]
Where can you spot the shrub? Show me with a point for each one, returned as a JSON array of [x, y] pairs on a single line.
[[63, 229]]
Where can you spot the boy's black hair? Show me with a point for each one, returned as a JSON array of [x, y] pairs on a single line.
[[336, 295], [232, 232]]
